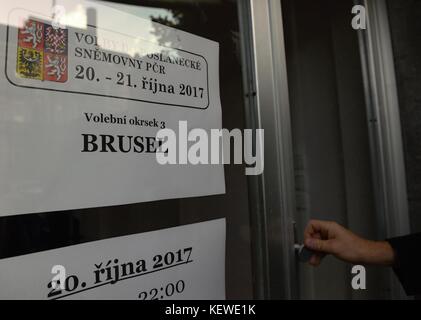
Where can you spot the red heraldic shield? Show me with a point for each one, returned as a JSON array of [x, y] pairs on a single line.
[[42, 52]]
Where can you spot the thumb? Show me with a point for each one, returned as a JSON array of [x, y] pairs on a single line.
[[319, 245]]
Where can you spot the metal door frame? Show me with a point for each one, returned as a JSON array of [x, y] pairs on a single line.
[[387, 152], [384, 118], [267, 107]]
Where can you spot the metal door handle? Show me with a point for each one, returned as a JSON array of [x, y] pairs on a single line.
[[303, 254]]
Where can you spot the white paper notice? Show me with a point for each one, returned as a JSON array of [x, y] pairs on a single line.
[[186, 262], [82, 97]]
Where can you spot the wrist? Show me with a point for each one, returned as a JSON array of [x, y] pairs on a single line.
[[378, 253]]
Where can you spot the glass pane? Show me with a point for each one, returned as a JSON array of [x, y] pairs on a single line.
[[215, 20]]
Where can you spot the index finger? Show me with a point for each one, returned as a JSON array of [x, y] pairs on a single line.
[[315, 226]]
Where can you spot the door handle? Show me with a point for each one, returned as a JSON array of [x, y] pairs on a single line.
[[303, 254]]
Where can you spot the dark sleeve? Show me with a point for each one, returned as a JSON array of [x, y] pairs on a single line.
[[408, 262]]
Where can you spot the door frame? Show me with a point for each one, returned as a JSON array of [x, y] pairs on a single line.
[[267, 107], [387, 151]]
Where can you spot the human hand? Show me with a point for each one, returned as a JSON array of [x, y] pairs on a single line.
[[326, 237]]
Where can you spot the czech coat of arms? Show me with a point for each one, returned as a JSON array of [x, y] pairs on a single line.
[[42, 52]]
